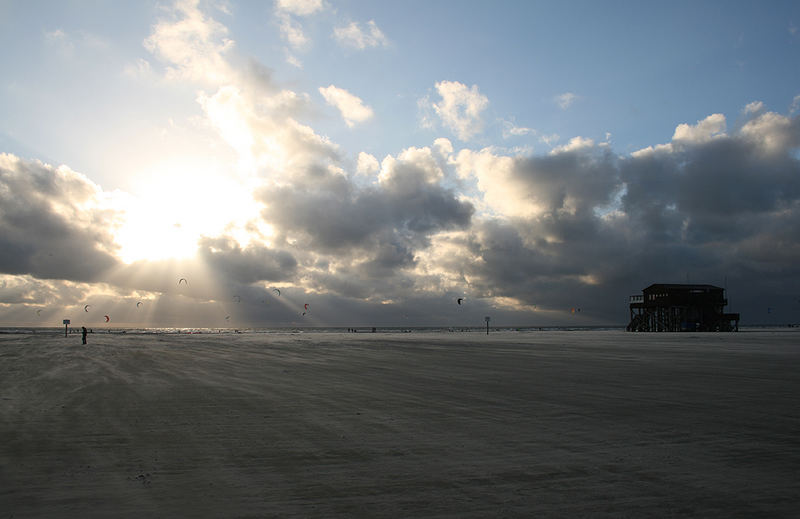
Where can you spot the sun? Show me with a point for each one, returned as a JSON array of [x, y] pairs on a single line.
[[176, 207]]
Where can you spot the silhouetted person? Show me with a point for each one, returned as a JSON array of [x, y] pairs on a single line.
[[83, 334]]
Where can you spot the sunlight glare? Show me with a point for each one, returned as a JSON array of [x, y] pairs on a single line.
[[174, 209]]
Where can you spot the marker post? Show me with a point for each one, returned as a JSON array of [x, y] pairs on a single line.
[[66, 326], [487, 324]]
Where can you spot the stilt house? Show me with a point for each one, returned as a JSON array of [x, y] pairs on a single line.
[[681, 308]]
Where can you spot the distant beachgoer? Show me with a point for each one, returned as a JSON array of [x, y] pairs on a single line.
[[83, 334]]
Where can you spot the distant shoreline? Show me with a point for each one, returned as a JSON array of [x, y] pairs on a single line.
[[16, 330]]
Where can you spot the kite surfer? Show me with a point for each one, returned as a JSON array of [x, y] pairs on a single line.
[[83, 334]]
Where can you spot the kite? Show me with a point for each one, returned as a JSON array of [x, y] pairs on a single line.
[[460, 299], [39, 312], [276, 291], [86, 308], [107, 318], [227, 317], [184, 280], [305, 306], [138, 304]]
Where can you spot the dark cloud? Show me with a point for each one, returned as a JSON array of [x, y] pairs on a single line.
[[579, 228], [246, 265], [53, 223], [574, 180], [716, 191], [722, 210], [378, 228]]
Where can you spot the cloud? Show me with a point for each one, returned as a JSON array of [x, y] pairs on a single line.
[[551, 139], [574, 144], [351, 107], [70, 45], [512, 130], [771, 132], [574, 180], [707, 204], [461, 108], [709, 128], [292, 32], [795, 105], [712, 127], [443, 147], [565, 100], [293, 60], [261, 126], [55, 222], [578, 226], [367, 164], [193, 45], [300, 7], [353, 36], [753, 108], [362, 242], [61, 41], [141, 69], [291, 29], [247, 265], [332, 214]]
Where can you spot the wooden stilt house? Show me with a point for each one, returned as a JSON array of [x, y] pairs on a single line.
[[681, 308]]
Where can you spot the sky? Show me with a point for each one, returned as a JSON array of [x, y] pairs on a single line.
[[377, 161]]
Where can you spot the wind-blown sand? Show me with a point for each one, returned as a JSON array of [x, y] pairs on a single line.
[[539, 424]]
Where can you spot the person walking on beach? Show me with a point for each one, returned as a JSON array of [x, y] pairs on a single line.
[[83, 334]]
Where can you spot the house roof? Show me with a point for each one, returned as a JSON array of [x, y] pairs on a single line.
[[678, 286]]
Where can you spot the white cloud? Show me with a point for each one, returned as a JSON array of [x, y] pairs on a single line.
[[753, 108], [292, 60], [412, 167], [495, 176], [300, 7], [795, 105], [351, 107], [354, 36], [709, 128], [367, 164], [771, 132], [141, 69], [652, 150], [292, 32], [194, 46], [61, 41], [574, 144], [512, 130], [565, 100], [443, 146], [550, 139], [461, 108], [229, 111], [74, 44]]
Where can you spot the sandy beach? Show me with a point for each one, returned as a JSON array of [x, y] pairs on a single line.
[[538, 424]]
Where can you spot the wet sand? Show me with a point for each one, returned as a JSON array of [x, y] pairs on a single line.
[[540, 424]]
